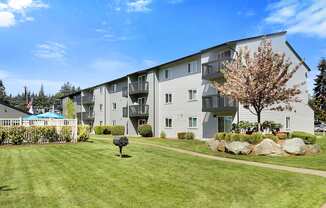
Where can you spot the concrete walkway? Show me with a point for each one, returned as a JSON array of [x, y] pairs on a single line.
[[257, 164]]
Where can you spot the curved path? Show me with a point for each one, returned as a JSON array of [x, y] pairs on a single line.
[[257, 164]]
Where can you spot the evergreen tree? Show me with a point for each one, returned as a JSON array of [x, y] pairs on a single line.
[[320, 92], [3, 96]]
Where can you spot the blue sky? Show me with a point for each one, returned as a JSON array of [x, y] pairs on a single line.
[[87, 42]]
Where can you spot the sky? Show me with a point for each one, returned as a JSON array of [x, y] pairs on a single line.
[[87, 42]]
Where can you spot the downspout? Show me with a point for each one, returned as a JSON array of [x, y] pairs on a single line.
[[154, 124], [105, 106]]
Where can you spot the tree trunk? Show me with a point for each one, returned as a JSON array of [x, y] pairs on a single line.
[[258, 121]]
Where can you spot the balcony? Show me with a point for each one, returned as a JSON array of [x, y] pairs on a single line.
[[213, 70], [138, 88], [125, 112], [88, 99], [88, 115], [138, 111], [219, 104]]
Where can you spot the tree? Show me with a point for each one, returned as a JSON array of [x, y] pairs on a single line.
[[67, 89], [70, 106], [319, 103], [259, 81], [3, 96]]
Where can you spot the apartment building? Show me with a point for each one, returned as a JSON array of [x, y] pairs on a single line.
[[178, 96]]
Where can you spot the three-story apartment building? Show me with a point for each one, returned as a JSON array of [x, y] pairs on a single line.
[[178, 96]]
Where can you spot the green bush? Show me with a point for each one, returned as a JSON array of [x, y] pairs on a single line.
[[162, 135], [189, 136], [231, 137], [33, 134], [181, 135], [49, 133], [228, 137], [106, 129], [145, 130], [117, 130], [66, 134], [282, 135], [220, 136], [98, 130], [16, 134], [83, 133], [3, 135], [307, 137]]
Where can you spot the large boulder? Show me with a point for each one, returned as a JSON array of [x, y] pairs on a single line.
[[295, 146], [239, 148], [212, 143], [312, 149], [221, 146], [267, 147]]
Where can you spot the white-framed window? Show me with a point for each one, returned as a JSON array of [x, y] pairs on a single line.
[[288, 122], [168, 98], [192, 67], [192, 95], [114, 88], [167, 74], [114, 106], [101, 107], [192, 122], [168, 122]]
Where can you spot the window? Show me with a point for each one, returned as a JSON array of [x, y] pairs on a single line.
[[166, 74], [192, 122], [114, 106], [192, 67], [189, 68], [114, 87], [287, 123], [101, 107], [168, 98], [192, 95], [168, 123], [113, 122]]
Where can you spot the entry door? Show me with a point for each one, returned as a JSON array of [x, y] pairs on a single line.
[[224, 124], [220, 124]]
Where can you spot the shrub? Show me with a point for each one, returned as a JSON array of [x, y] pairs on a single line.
[[181, 135], [98, 130], [220, 136], [189, 136], [162, 135], [235, 137], [282, 135], [227, 137], [145, 130], [34, 134], [16, 134], [3, 135], [106, 129], [83, 133], [49, 133], [65, 134], [307, 137], [117, 130]]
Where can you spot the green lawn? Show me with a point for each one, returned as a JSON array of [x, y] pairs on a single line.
[[90, 175], [313, 161]]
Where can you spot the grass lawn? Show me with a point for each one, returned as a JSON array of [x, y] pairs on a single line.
[[90, 175], [313, 161]]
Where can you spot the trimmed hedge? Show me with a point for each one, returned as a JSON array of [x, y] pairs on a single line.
[[117, 130], [252, 138], [186, 135], [145, 130], [99, 130], [307, 137]]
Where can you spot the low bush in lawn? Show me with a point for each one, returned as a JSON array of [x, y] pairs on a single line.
[[117, 130], [162, 135], [186, 135], [252, 138], [145, 130], [307, 137], [98, 130], [83, 133]]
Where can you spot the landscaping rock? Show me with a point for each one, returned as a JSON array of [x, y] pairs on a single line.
[[267, 147], [312, 149], [212, 143], [239, 148], [221, 146], [295, 146]]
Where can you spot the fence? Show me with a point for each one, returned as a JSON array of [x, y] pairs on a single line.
[[7, 122]]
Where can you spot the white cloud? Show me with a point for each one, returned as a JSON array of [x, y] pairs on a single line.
[[50, 50], [305, 17], [7, 19], [17, 9], [139, 5]]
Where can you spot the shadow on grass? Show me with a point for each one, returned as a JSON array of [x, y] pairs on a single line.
[[123, 156], [6, 188]]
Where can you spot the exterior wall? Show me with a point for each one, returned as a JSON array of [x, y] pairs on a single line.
[[7, 112], [181, 108]]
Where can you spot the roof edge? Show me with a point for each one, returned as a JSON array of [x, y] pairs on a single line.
[[15, 108], [297, 55]]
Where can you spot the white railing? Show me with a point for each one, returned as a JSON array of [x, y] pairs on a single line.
[[7, 122]]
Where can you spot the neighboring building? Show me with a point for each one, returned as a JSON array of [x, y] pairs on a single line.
[[7, 111], [177, 96]]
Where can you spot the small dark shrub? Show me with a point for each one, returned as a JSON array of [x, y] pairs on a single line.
[[281, 135], [181, 135], [106, 129], [307, 137], [189, 136], [145, 130], [16, 134], [117, 130], [98, 130]]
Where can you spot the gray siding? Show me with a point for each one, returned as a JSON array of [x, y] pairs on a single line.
[[8, 112]]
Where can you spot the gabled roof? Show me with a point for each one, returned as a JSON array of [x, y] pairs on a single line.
[[227, 44], [13, 107]]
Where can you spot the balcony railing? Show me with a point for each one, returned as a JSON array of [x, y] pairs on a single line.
[[138, 111], [213, 70], [138, 88], [219, 104], [88, 115], [88, 99]]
